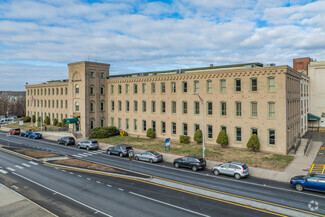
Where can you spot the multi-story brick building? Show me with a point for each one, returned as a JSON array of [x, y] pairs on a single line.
[[240, 99]]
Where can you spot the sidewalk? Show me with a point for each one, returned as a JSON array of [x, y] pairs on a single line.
[[13, 204]]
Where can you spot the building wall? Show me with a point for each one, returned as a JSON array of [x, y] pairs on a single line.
[[304, 103]]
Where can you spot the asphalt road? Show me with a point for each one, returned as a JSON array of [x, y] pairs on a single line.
[[251, 188]]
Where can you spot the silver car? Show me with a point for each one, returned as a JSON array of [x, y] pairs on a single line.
[[236, 169], [88, 144], [150, 156]]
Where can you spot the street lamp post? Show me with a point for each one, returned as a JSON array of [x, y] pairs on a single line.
[[203, 132]]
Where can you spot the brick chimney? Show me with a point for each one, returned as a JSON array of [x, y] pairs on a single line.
[[301, 64]]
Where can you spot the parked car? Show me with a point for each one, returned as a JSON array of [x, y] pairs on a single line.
[[7, 121], [150, 156], [121, 150], [26, 133], [88, 144], [35, 136], [314, 182], [193, 162], [66, 141], [236, 169], [14, 131]]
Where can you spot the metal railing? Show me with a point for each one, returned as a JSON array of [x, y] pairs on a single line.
[[310, 140]]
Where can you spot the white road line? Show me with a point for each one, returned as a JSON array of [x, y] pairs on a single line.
[[63, 170], [88, 178], [79, 176], [19, 167], [109, 186], [71, 173], [168, 204], [11, 169], [26, 165], [96, 210], [3, 171], [31, 162], [121, 189], [98, 182]]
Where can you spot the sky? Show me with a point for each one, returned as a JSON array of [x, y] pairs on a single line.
[[38, 38]]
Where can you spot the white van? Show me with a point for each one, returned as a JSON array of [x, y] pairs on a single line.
[[7, 121]]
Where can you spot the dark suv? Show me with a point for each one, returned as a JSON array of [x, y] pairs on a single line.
[[121, 150], [66, 141], [193, 162]]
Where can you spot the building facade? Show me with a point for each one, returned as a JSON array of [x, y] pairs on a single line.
[[241, 99]]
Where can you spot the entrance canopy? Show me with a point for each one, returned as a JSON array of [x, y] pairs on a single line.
[[72, 120], [312, 117]]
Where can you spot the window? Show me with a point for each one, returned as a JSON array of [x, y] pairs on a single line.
[[254, 131], [173, 128], [61, 103], [49, 103], [119, 123], [53, 90], [223, 88], [127, 124], [153, 88], [184, 107], [102, 90], [210, 135], [112, 105], [237, 85], [135, 88], [119, 87], [223, 106], [92, 74], [196, 107], [163, 87], [163, 107], [45, 91], [76, 89], [144, 125], [209, 108], [271, 137], [112, 89], [163, 127], [238, 109], [92, 109], [153, 124], [173, 107], [57, 91], [184, 86], [271, 108], [66, 91], [102, 122], [42, 91], [173, 85], [53, 104], [126, 88], [127, 106], [49, 91], [254, 109], [238, 134], [196, 87], [135, 125], [185, 129], [91, 90], [135, 103], [112, 121], [144, 88], [119, 106], [144, 106], [102, 106], [271, 84], [61, 91], [224, 128], [209, 86], [153, 106], [196, 127], [253, 84], [37, 92], [57, 103], [102, 75], [92, 123], [27, 92]]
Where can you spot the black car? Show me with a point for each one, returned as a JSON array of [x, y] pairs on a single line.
[[121, 150], [26, 133], [66, 141], [193, 162]]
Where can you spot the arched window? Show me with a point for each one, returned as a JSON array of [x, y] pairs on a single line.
[[92, 123], [77, 88], [92, 106], [77, 106], [91, 90]]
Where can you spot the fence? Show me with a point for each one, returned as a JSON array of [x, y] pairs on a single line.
[[310, 140]]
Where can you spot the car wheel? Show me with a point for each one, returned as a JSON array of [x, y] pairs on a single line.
[[216, 172], [87, 148], [121, 154], [78, 146], [176, 165], [237, 176], [194, 168], [150, 161], [136, 158], [299, 187], [108, 152]]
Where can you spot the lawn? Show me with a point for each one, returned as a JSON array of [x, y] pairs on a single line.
[[36, 154], [27, 126], [212, 152]]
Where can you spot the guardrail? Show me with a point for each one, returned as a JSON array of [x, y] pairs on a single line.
[[310, 140]]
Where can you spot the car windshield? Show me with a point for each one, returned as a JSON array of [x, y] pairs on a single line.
[[94, 142], [128, 148]]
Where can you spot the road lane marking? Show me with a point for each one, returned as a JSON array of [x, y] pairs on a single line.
[[98, 182], [3, 171], [88, 178], [26, 165], [32, 162], [19, 167], [70, 198], [121, 189], [168, 204], [109, 186], [11, 169], [71, 173], [79, 176]]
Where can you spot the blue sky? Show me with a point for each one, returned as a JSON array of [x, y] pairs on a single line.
[[38, 38]]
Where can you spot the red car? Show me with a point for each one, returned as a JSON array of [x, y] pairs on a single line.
[[14, 131]]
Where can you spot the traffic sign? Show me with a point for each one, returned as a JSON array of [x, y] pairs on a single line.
[[130, 158], [131, 153], [122, 134]]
